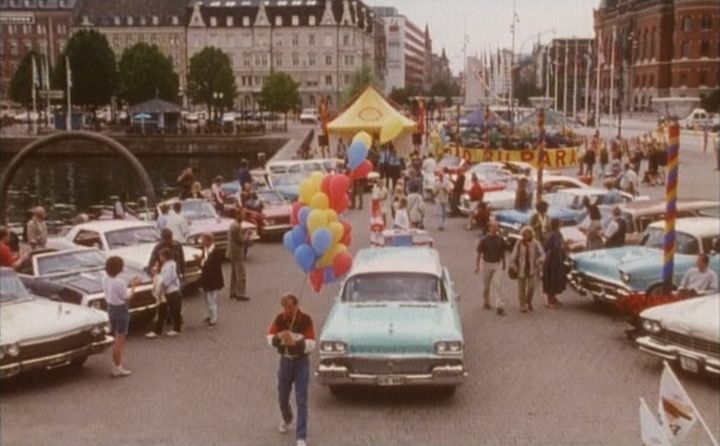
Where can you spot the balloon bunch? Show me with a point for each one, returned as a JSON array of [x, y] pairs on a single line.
[[358, 164], [319, 240]]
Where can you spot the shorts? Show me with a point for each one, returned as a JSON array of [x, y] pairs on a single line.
[[119, 319]]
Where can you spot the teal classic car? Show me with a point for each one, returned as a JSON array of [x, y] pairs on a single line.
[[394, 323], [609, 274]]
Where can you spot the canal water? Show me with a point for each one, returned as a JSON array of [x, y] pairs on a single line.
[[69, 184]]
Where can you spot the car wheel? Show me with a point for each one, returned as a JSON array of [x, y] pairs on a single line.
[[656, 290], [78, 362], [338, 391], [447, 391]]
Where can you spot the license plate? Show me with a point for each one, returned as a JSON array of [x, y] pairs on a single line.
[[389, 380], [689, 364], [58, 362]]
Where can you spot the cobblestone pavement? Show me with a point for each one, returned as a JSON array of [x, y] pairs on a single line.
[[552, 377]]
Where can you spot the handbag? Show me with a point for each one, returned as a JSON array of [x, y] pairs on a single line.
[[512, 272]]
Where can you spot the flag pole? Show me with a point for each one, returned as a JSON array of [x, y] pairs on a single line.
[[588, 63], [612, 72], [68, 84], [575, 79], [556, 61], [565, 79], [597, 81], [692, 404], [34, 116]]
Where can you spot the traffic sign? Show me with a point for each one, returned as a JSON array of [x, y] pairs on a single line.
[[51, 94]]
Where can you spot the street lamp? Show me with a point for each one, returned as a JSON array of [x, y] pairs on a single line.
[[218, 96], [541, 103], [672, 109]]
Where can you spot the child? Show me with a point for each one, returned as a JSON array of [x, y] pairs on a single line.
[[168, 285], [117, 297]]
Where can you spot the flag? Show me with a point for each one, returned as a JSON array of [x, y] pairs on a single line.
[[68, 73], [651, 431], [677, 411]]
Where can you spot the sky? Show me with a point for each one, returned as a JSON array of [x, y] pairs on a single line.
[[487, 22]]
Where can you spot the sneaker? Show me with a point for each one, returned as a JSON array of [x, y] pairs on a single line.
[[284, 427], [119, 372], [172, 333], [500, 311], [523, 309], [151, 335], [486, 306], [211, 324], [530, 307], [206, 321], [300, 443]]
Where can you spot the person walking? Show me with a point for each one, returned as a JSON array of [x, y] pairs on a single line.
[[458, 190], [292, 335], [211, 276], [717, 151], [491, 258], [236, 254], [476, 197], [615, 230], [402, 220], [629, 181], [526, 259], [244, 175], [416, 207], [167, 288], [217, 195], [37, 232], [554, 274], [442, 190], [540, 221], [117, 297], [594, 229]]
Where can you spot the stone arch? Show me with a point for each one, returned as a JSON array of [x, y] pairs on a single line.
[[17, 160]]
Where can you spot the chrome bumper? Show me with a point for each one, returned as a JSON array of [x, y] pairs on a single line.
[[328, 375], [588, 286], [672, 352], [276, 229], [54, 361]]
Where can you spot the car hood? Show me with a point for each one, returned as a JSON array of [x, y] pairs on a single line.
[[138, 256], [609, 262], [277, 211], [38, 318], [210, 225], [391, 328], [90, 282], [698, 317]]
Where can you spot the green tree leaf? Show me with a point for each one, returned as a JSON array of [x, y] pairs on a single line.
[[20, 89], [145, 73], [211, 72], [280, 93]]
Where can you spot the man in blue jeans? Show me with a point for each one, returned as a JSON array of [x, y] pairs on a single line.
[[292, 334]]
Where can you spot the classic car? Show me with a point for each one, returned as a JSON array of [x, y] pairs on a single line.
[[638, 215], [286, 176], [309, 116], [134, 241], [274, 218], [75, 276], [396, 322], [400, 237], [685, 332], [608, 274], [40, 334], [449, 164]]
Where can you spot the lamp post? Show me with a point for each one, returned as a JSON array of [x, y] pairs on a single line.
[[672, 109], [217, 96], [540, 103]]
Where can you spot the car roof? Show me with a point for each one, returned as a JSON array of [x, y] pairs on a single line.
[[658, 205], [397, 260], [54, 252], [112, 225], [697, 226]]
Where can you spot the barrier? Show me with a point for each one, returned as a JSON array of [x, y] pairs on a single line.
[[553, 158]]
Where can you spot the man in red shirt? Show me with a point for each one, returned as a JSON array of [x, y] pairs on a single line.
[[476, 197], [292, 334], [7, 258]]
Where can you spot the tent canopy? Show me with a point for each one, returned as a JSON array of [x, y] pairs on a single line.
[[369, 112], [155, 106]]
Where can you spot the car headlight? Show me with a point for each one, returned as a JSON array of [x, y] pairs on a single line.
[[651, 326], [99, 330], [10, 350], [625, 276], [333, 347], [448, 347]]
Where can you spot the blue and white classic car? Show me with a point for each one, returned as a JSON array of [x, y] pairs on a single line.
[[395, 323], [608, 274]]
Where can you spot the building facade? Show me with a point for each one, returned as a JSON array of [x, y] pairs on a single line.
[[320, 43], [160, 23], [27, 25], [657, 48]]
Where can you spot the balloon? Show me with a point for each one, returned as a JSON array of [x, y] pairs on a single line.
[[288, 241], [346, 240], [299, 235], [347, 233], [329, 275], [327, 258], [337, 230], [316, 220], [362, 171], [321, 241], [331, 215], [392, 128], [346, 226], [317, 277], [304, 214], [305, 257], [308, 188], [316, 177], [341, 205], [338, 188], [294, 218], [357, 153], [320, 201], [342, 264], [325, 184], [364, 137]]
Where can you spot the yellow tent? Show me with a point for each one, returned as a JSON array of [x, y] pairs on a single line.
[[368, 113]]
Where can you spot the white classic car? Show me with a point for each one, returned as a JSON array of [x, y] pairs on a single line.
[[134, 241], [40, 334], [686, 332]]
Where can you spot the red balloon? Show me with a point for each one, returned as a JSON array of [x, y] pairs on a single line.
[[317, 277], [346, 240], [347, 227], [342, 264], [294, 214], [362, 171], [341, 204], [325, 184], [339, 186]]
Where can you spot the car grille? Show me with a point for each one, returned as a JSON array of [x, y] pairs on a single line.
[[221, 237], [142, 299], [52, 347], [595, 285], [700, 345], [387, 366]]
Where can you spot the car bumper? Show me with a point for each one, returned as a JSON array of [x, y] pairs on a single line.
[[441, 375], [275, 229], [56, 360], [587, 285], [688, 359]]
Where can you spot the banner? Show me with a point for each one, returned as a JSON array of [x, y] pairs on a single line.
[[651, 432], [553, 158], [677, 412]]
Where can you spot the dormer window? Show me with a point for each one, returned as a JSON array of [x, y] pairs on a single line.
[[278, 21], [295, 20], [311, 20], [130, 21], [155, 20], [246, 21], [213, 21], [143, 21], [85, 20], [229, 21], [175, 20], [116, 20]]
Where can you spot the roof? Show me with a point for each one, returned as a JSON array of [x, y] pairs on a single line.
[[369, 112], [659, 206], [155, 106], [113, 225], [397, 260], [106, 12], [697, 226]]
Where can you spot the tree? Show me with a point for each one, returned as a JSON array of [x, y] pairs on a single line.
[[524, 91], [280, 93], [445, 89], [711, 102], [359, 81], [93, 66], [20, 89], [146, 73], [211, 73]]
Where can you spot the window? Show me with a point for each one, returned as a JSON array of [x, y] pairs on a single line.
[[295, 40], [229, 21], [328, 79], [685, 49], [278, 41], [328, 60], [311, 100], [704, 48], [246, 61], [246, 21], [311, 22], [703, 77], [278, 20], [130, 21], [13, 48], [311, 60], [706, 22], [264, 60], [116, 20], [142, 20], [328, 40], [278, 61], [346, 79], [257, 60], [349, 60], [213, 21], [651, 81], [295, 60], [682, 78], [687, 24], [175, 20], [311, 39], [346, 39], [295, 20]]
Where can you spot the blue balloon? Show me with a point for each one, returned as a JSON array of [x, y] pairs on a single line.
[[357, 153], [303, 215], [299, 235], [329, 275], [321, 241], [305, 257], [289, 242]]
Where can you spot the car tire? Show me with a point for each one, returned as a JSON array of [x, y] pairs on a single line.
[[447, 391], [78, 362], [338, 391], [656, 290]]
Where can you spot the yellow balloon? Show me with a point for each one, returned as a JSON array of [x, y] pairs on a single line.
[[307, 190], [365, 138], [392, 128], [327, 258], [337, 230], [320, 201], [316, 220], [332, 216], [316, 177]]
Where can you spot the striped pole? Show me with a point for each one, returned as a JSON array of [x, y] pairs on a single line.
[[541, 153], [671, 186]]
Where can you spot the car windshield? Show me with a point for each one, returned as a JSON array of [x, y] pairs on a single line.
[[67, 261], [11, 288], [271, 198], [286, 180], [564, 200], [393, 287], [685, 243], [198, 210], [132, 237], [278, 169]]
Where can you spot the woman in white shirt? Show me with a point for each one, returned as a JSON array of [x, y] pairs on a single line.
[[168, 285], [117, 297], [402, 221]]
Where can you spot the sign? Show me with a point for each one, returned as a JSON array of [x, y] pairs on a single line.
[[16, 18], [553, 158], [51, 94]]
